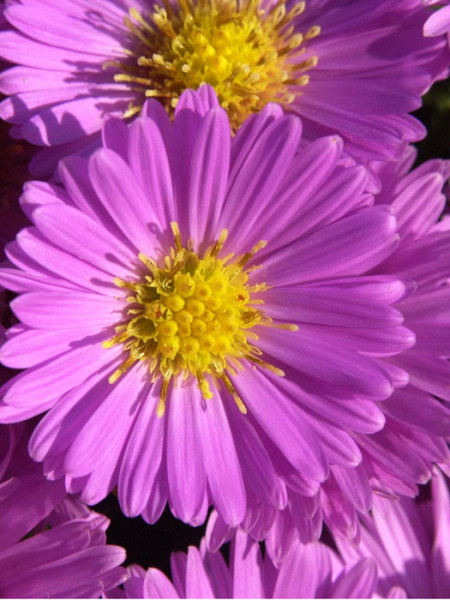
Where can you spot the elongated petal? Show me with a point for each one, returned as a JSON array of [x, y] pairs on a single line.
[[185, 459], [349, 247], [221, 461], [142, 458], [124, 199]]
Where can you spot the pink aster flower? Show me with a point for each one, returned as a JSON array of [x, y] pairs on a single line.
[[310, 571], [51, 545], [423, 257], [409, 542], [355, 68], [196, 316], [416, 420]]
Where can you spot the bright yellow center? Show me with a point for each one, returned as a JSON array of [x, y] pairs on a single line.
[[193, 316], [250, 56]]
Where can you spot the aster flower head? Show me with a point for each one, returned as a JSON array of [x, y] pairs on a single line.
[[310, 571], [51, 545], [409, 542], [183, 299], [352, 68]]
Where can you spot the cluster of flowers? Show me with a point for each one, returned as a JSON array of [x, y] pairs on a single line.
[[228, 292]]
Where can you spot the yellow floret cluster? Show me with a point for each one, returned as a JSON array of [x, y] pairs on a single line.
[[193, 316], [249, 54], [200, 317]]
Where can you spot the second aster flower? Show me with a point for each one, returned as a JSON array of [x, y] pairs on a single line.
[[195, 314], [355, 68]]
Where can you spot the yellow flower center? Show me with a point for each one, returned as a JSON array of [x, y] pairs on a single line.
[[251, 56], [193, 316]]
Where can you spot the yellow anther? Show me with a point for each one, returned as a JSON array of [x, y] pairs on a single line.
[[207, 342], [218, 284], [204, 386], [285, 326], [185, 285], [198, 327], [220, 242], [229, 326], [227, 312], [230, 387], [312, 32], [176, 235], [311, 62], [280, 13], [208, 315], [183, 317], [168, 328], [242, 296], [222, 344], [189, 346], [296, 40], [297, 10], [174, 302], [185, 329], [209, 51], [195, 307], [240, 278], [148, 262], [163, 397], [202, 291], [213, 303], [213, 327], [168, 346]]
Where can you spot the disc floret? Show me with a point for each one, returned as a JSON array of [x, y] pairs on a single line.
[[192, 316]]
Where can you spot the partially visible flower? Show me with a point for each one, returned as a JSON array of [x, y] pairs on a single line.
[[70, 560], [310, 571], [439, 22], [409, 541], [179, 355], [356, 69], [51, 545], [423, 257], [417, 419]]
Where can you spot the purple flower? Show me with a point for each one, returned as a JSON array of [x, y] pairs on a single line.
[[422, 257], [416, 421], [68, 561], [409, 542], [310, 571], [355, 68], [51, 545], [181, 357]]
